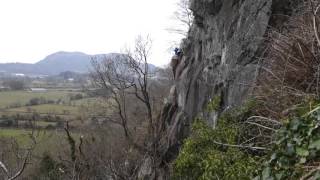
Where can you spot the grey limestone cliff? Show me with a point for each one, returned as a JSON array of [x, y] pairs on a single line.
[[221, 55]]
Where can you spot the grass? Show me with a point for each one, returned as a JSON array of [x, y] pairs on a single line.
[[47, 140], [45, 124], [22, 136], [21, 98], [9, 98], [86, 101], [42, 124], [47, 109], [13, 132]]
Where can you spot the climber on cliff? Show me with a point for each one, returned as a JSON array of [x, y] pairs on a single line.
[[176, 60], [177, 51]]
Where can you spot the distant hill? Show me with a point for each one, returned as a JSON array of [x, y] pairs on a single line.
[[56, 63], [63, 61]]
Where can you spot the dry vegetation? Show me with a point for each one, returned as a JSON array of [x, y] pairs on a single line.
[[289, 73], [291, 65]]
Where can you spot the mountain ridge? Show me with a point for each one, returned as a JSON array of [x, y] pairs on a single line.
[[56, 63]]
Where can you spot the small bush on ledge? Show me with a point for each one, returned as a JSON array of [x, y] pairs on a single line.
[[206, 154]]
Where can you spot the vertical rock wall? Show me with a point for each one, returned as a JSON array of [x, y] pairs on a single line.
[[220, 60]]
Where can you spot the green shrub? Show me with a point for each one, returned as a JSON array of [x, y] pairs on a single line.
[[49, 169], [76, 97], [202, 158], [297, 146], [213, 104]]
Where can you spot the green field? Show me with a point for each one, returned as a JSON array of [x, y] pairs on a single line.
[[13, 132], [48, 120], [66, 109], [42, 124], [46, 140], [40, 135], [75, 111], [86, 101], [22, 135], [9, 98], [47, 109]]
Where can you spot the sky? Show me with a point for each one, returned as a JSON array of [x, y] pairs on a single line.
[[32, 29]]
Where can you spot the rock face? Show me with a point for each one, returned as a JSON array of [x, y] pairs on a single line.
[[219, 60]]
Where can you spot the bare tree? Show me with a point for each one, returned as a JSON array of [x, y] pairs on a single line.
[[19, 172], [128, 78], [23, 160], [183, 17]]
